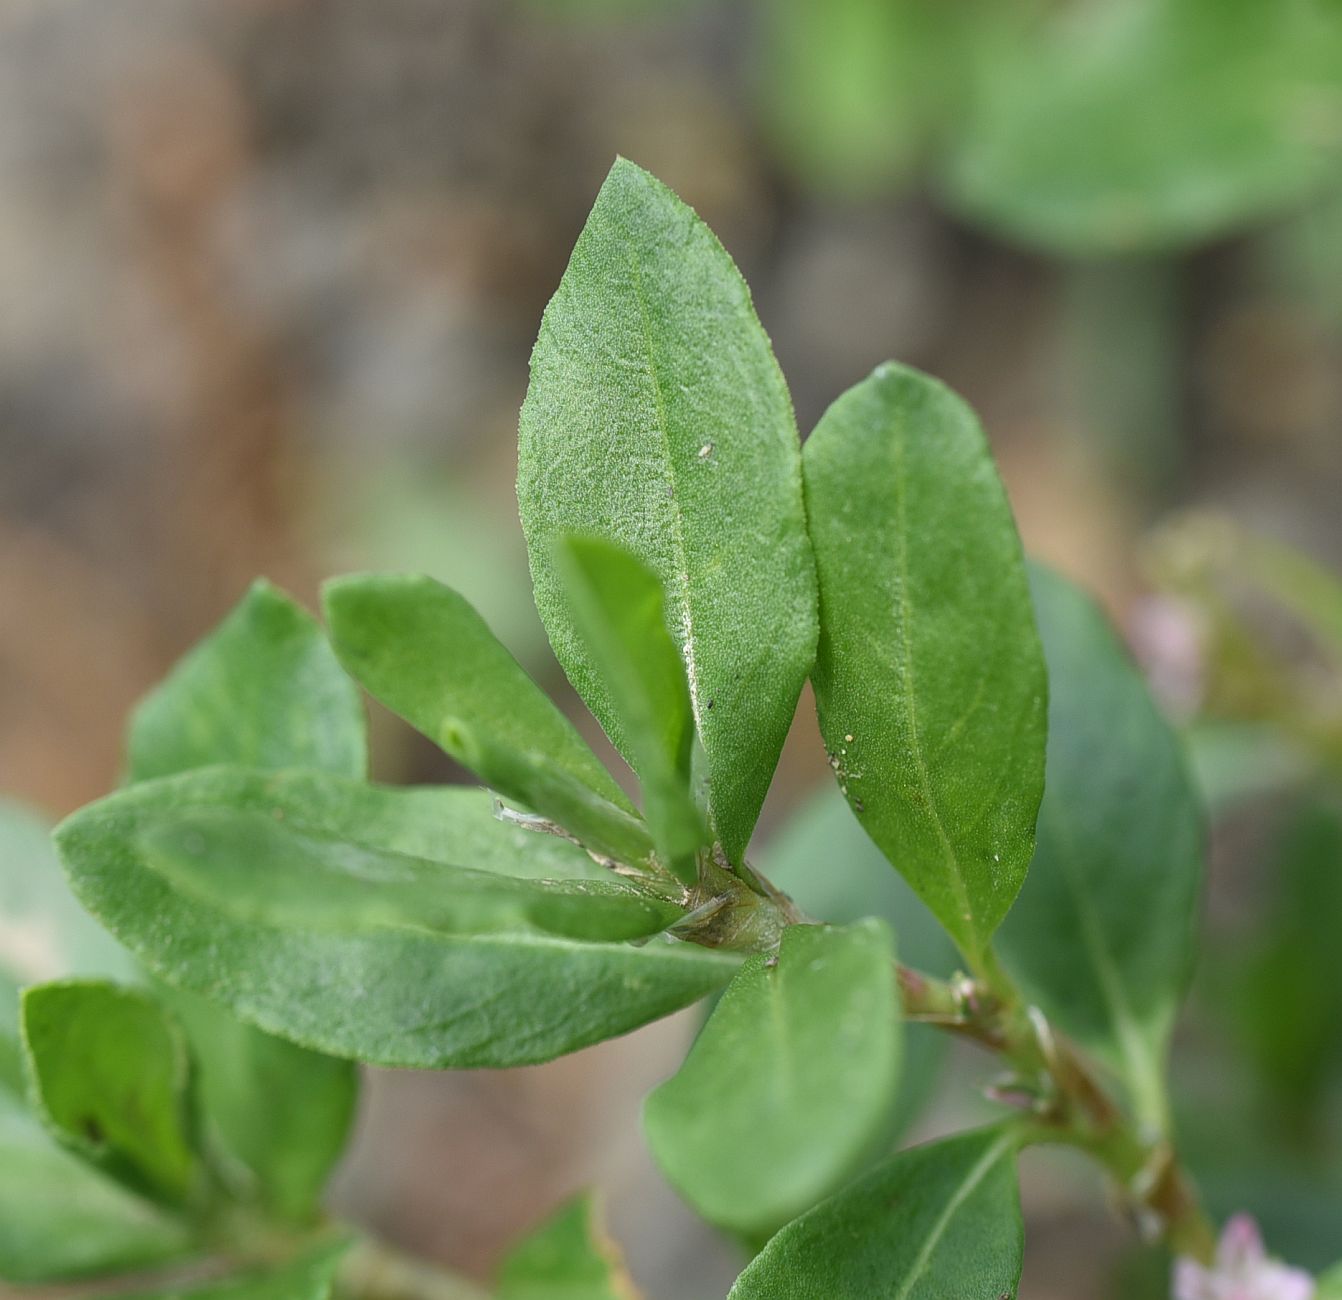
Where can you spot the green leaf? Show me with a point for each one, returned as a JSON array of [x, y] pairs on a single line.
[[618, 610], [1102, 934], [262, 690], [448, 824], [110, 1073], [932, 1223], [823, 859], [1291, 961], [930, 682], [1102, 129], [390, 997], [657, 418], [1272, 1171], [428, 656], [1231, 762], [44, 932], [276, 1116], [254, 868], [845, 87], [60, 1218], [799, 1061], [309, 1277], [568, 1257]]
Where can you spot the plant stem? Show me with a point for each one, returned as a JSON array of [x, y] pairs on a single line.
[[375, 1271], [1158, 1188], [1069, 1103]]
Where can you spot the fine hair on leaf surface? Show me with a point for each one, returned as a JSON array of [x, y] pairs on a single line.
[[1010, 852], [688, 459], [930, 682]]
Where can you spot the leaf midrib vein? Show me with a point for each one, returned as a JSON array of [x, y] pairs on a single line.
[[966, 1189], [906, 654], [682, 574]]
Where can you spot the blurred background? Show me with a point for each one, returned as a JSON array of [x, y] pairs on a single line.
[[270, 274]]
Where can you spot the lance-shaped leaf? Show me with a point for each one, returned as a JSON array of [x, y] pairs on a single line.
[[848, 88], [264, 689], [1145, 125], [309, 1277], [934, 1222], [569, 1257], [455, 823], [428, 656], [1102, 934], [275, 1116], [657, 418], [61, 1218], [1292, 962], [254, 868], [391, 997], [802, 1055], [822, 858], [619, 612], [929, 682], [110, 1072]]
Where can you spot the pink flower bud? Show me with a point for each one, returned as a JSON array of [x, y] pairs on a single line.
[[1242, 1271]]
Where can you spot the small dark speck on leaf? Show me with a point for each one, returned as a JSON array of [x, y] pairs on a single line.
[[859, 806], [710, 704], [91, 1128]]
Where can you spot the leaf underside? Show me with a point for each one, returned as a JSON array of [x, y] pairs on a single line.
[[390, 998], [619, 612], [423, 651], [1102, 935]]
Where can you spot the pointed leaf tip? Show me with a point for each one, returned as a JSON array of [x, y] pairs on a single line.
[[930, 681], [657, 418]]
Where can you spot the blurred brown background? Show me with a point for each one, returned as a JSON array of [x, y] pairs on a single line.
[[270, 273]]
